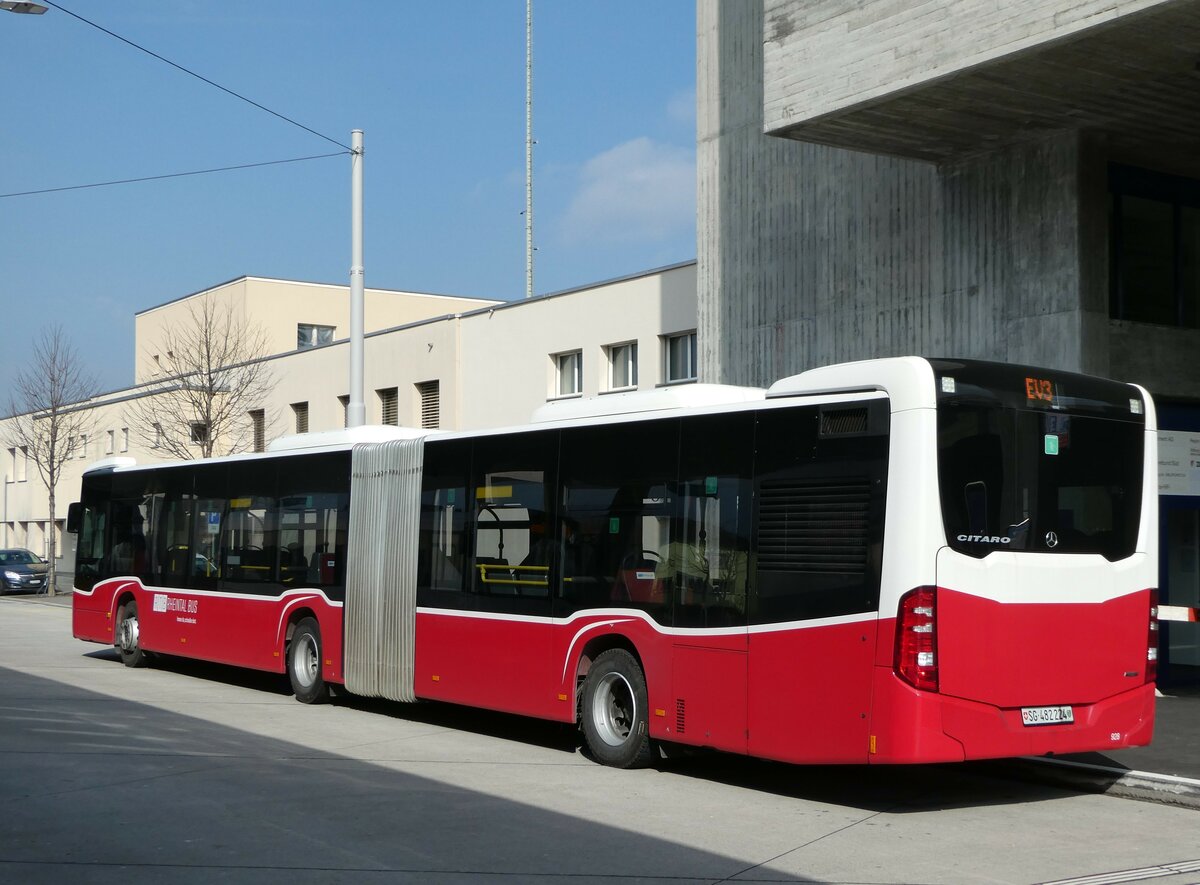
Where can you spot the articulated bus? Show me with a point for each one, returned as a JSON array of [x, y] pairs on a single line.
[[891, 561]]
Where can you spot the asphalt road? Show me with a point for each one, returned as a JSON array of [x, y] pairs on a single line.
[[191, 773]]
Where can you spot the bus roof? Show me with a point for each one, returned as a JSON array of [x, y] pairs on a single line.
[[907, 381]]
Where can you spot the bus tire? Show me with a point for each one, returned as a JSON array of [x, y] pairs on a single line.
[[615, 721], [129, 636], [304, 664]]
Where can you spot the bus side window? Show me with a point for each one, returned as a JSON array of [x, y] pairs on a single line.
[[711, 558], [313, 516], [618, 512], [442, 550], [128, 555], [173, 542], [511, 485], [312, 541], [90, 550], [709, 562]]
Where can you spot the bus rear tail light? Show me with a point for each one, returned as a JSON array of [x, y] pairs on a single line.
[[916, 639], [1152, 638]]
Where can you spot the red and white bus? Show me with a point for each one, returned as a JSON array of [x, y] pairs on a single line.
[[897, 560]]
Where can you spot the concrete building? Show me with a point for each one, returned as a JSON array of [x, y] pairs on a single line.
[[1008, 181], [430, 361]]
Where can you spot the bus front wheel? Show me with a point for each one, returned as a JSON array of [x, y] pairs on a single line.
[[128, 637], [304, 664], [615, 723]]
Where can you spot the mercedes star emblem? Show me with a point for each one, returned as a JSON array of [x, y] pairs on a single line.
[[1051, 539]]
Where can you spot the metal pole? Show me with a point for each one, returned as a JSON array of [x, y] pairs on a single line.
[[528, 148], [356, 409]]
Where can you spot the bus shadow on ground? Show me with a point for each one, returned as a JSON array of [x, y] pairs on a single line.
[[892, 788], [258, 680], [110, 787]]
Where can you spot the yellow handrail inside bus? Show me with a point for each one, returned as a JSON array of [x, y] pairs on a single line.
[[511, 571]]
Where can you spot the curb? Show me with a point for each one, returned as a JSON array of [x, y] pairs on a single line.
[[1124, 782], [60, 600]]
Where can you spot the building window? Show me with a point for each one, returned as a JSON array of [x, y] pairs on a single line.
[[199, 432], [387, 406], [300, 411], [124, 439], [1155, 247], [83, 448], [344, 400], [431, 404], [679, 352], [568, 369], [622, 365], [309, 335], [19, 461], [258, 425], [110, 441], [158, 435]]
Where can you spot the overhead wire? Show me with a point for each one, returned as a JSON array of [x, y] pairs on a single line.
[[79, 187], [180, 67], [50, 190]]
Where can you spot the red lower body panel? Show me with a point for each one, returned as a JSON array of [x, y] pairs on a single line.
[[815, 694], [241, 630], [916, 726]]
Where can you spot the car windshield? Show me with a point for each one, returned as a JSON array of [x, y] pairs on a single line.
[[16, 557]]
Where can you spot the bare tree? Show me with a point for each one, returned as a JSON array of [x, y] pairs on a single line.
[[214, 376], [50, 416]]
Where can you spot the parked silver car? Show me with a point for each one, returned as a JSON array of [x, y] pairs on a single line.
[[22, 570]]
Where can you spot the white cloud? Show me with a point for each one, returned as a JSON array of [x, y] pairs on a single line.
[[641, 190]]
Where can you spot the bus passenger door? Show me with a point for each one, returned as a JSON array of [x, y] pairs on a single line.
[[483, 630], [708, 567]]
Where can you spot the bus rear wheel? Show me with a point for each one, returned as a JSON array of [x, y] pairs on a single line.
[[615, 723], [128, 636], [304, 664]]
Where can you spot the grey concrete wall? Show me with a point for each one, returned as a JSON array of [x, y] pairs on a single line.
[[809, 255], [824, 56], [1016, 247], [1162, 359], [806, 254]]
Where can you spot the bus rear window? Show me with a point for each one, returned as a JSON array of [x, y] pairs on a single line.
[[1044, 482]]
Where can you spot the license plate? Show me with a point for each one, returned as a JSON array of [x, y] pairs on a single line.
[[1047, 715]]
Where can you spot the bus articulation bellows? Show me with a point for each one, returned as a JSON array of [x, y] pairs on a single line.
[[897, 560]]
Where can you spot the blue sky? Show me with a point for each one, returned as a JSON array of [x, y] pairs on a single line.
[[439, 90]]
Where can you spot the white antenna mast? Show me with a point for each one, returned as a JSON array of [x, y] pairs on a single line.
[[528, 148]]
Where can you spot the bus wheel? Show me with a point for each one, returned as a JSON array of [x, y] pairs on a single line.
[[128, 644], [614, 711], [304, 664]]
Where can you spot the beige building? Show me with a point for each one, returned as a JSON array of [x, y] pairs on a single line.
[[430, 361]]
